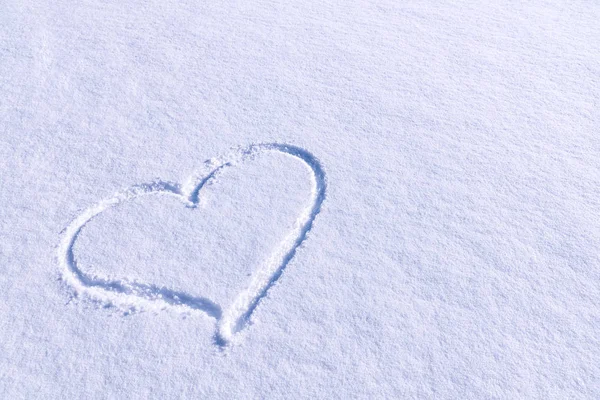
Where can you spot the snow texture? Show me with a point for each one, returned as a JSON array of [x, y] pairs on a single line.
[[299, 199]]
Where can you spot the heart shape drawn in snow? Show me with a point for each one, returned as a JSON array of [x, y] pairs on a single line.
[[133, 294]]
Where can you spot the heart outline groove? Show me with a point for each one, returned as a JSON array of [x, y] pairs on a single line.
[[132, 294]]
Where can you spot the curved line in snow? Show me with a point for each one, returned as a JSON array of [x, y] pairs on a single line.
[[127, 293]]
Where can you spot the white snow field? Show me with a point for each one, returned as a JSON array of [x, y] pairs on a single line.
[[299, 199]]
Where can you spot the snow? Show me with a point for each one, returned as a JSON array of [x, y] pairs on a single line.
[[406, 203]]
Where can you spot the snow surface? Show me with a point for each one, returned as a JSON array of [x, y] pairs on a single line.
[[430, 230]]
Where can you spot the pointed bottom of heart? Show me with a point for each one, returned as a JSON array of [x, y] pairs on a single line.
[[136, 295]]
